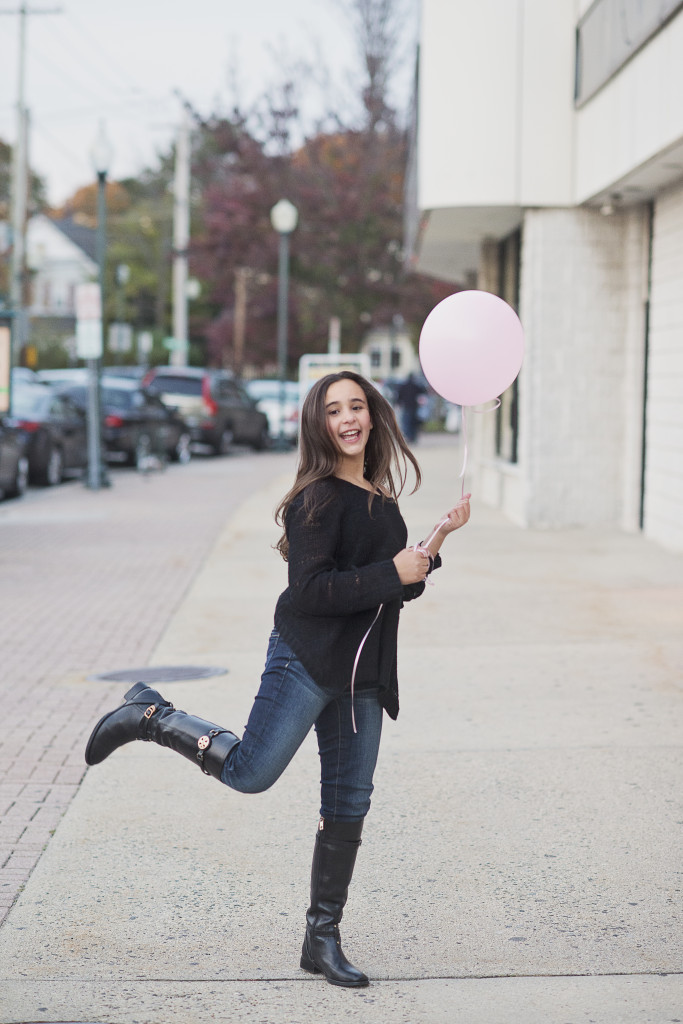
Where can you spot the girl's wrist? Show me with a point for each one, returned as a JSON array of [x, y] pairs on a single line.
[[429, 555]]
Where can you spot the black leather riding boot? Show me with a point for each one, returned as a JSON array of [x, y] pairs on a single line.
[[145, 715], [334, 857]]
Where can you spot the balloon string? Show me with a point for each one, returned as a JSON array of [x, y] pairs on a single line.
[[355, 664], [463, 410], [465, 450], [425, 543], [416, 547]]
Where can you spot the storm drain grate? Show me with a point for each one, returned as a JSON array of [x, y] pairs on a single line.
[[160, 674]]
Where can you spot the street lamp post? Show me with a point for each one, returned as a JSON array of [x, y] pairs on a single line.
[[122, 276], [283, 217], [101, 155]]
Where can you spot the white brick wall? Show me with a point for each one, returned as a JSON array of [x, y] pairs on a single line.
[[582, 291], [664, 445]]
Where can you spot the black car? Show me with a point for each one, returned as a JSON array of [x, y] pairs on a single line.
[[55, 432], [135, 424], [13, 460], [217, 410]]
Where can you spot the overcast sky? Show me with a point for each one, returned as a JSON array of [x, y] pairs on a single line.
[[121, 62]]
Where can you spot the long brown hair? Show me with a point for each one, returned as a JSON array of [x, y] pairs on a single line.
[[386, 455]]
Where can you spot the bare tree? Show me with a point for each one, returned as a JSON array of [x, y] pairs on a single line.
[[379, 31]]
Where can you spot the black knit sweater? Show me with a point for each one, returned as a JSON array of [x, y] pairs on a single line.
[[340, 570]]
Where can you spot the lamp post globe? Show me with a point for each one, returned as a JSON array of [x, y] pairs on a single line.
[[284, 217], [101, 152]]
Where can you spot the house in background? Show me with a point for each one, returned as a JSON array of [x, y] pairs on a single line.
[[548, 169], [60, 254], [392, 354]]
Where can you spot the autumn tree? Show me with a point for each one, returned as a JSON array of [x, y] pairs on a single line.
[[347, 181], [344, 173], [139, 236]]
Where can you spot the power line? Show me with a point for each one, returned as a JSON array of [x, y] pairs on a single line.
[[40, 128], [63, 75], [125, 109], [30, 10], [94, 43], [86, 58]]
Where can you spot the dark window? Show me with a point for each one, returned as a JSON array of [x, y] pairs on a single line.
[[507, 427], [116, 399], [609, 34], [167, 384]]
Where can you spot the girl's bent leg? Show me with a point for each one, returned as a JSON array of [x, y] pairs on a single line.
[[287, 705], [145, 715], [285, 708]]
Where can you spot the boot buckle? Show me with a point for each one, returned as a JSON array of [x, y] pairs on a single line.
[[150, 711]]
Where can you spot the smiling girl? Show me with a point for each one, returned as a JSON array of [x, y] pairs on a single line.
[[331, 660]]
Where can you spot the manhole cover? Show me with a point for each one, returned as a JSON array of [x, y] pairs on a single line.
[[160, 674]]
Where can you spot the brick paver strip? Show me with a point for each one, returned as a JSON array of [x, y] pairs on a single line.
[[88, 582]]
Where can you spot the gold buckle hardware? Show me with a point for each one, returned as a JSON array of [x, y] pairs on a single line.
[[150, 710]]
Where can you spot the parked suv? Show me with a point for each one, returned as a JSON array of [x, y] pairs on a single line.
[[135, 423], [217, 410]]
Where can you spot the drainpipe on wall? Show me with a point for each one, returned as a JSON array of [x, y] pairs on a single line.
[[646, 359]]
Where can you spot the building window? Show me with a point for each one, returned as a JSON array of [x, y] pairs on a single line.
[[375, 358], [395, 358], [609, 34], [507, 425]]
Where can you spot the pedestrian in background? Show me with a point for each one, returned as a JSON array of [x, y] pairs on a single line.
[[408, 397], [331, 660]]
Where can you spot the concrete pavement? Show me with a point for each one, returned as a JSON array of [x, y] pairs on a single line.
[[88, 581], [522, 859]]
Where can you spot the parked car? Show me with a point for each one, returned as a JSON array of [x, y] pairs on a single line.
[[13, 460], [267, 395], [66, 375], [121, 370], [55, 432], [217, 410], [23, 375], [135, 424]]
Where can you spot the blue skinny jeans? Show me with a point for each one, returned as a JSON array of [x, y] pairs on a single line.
[[288, 703]]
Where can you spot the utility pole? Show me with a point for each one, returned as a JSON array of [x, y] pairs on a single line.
[[181, 240], [19, 187], [240, 321]]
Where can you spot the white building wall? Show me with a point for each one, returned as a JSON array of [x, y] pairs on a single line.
[[635, 252], [57, 265], [487, 144], [664, 450], [635, 116], [580, 320], [546, 110], [499, 139]]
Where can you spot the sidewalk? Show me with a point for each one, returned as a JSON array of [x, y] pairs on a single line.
[[88, 582], [522, 859]]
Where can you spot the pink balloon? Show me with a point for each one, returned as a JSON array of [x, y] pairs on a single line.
[[471, 347]]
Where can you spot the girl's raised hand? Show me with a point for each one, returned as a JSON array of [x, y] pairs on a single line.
[[455, 517]]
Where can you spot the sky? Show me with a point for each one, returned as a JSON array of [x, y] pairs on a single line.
[[121, 63]]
